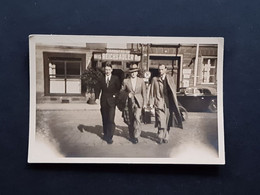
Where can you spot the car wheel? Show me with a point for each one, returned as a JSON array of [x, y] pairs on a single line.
[[184, 113], [213, 107]]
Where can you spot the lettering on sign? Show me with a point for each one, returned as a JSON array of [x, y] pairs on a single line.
[[117, 56]]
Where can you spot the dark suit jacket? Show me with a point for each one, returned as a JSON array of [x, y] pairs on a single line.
[[108, 94]]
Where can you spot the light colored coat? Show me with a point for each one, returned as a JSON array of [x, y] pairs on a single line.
[[157, 99], [139, 93]]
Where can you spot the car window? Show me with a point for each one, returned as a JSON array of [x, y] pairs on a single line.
[[197, 92], [206, 92], [182, 90], [189, 91], [200, 90]]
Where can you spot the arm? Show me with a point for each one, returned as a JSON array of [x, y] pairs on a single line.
[[151, 95], [143, 91], [117, 85], [97, 89], [123, 87]]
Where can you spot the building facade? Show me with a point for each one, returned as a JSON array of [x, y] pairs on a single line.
[[59, 68]]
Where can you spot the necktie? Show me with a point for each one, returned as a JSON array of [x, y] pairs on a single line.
[[107, 81]]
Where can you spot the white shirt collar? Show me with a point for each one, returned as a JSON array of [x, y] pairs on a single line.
[[109, 77], [163, 76]]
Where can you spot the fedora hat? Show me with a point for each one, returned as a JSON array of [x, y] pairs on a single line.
[[133, 68]]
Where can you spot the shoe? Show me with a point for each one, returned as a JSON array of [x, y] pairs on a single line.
[[165, 141], [134, 140], [160, 141], [110, 141]]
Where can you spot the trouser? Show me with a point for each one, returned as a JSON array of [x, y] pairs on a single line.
[[108, 116], [135, 114], [163, 117]]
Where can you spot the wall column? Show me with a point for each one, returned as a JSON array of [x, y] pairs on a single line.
[[196, 66]]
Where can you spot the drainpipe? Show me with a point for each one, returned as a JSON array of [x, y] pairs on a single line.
[[196, 66], [148, 59]]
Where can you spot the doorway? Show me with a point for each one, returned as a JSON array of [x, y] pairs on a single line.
[[173, 64], [120, 74]]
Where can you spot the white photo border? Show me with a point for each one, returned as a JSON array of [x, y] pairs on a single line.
[[77, 40]]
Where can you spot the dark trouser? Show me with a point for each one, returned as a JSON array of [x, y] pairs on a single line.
[[108, 116]]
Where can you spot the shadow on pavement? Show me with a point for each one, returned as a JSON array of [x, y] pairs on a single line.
[[98, 130], [149, 135], [121, 131], [92, 129]]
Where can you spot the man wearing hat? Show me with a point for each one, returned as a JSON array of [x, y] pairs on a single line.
[[136, 90]]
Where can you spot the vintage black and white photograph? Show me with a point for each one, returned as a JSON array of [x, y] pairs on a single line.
[[125, 99]]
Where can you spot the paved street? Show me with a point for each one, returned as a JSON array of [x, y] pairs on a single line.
[[78, 133]]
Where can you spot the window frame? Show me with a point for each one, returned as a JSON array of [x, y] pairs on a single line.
[[47, 56], [215, 75]]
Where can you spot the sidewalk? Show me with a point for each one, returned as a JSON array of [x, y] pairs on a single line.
[[67, 106]]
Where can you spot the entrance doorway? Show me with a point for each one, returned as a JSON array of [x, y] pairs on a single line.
[[120, 74], [173, 64]]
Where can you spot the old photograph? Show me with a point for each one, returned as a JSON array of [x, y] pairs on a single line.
[[126, 99]]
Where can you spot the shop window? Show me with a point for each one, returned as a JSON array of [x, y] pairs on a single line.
[[63, 74], [209, 68]]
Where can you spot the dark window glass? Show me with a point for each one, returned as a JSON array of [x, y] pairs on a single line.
[[60, 68], [73, 68]]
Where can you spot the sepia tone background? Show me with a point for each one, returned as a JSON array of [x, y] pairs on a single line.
[[236, 21], [70, 125]]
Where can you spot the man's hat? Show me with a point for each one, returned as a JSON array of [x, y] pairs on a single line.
[[133, 68]]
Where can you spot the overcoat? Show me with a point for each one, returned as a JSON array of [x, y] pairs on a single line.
[[156, 98], [139, 93]]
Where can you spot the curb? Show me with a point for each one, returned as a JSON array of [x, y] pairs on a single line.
[[67, 107]]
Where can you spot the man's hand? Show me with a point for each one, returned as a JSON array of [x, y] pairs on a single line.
[[130, 95], [97, 101]]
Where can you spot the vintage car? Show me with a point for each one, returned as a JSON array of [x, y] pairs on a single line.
[[198, 99]]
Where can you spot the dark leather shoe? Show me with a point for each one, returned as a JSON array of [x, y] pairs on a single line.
[[110, 141], [134, 140], [165, 141]]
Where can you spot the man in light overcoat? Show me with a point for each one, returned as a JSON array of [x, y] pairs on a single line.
[[136, 89], [163, 98]]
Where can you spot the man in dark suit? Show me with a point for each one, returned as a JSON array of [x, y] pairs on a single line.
[[110, 86]]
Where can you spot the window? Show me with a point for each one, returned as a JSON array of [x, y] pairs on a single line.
[[63, 73], [206, 91], [209, 70]]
